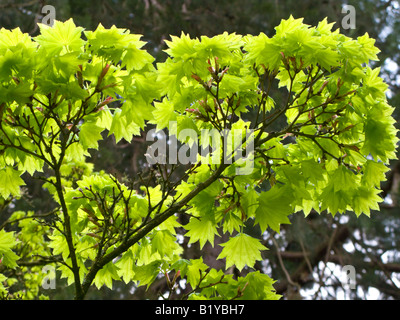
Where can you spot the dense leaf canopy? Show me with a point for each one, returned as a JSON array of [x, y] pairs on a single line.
[[66, 88]]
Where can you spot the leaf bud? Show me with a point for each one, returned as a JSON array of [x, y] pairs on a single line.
[[197, 78], [105, 102], [102, 75], [322, 87]]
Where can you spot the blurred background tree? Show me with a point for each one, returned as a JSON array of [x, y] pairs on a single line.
[[308, 256]]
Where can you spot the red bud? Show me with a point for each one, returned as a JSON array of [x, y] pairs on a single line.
[[105, 102], [105, 70], [93, 235], [323, 86], [197, 78], [102, 75]]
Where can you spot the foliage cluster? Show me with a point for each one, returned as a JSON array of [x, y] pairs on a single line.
[[63, 90]]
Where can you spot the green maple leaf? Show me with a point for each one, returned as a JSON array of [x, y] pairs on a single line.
[[19, 93], [324, 27], [259, 287], [231, 222], [264, 50], [337, 194], [204, 202], [164, 243], [312, 170], [106, 275], [12, 39], [289, 25], [125, 266], [59, 245], [182, 46], [105, 38], [184, 122], [63, 37], [14, 61], [194, 271], [335, 200], [343, 179], [10, 182], [369, 51], [116, 43], [202, 230], [241, 250], [365, 199], [380, 138], [146, 274], [274, 207], [374, 173], [89, 135], [66, 273], [121, 129], [249, 202], [163, 114], [7, 256], [327, 58], [135, 58]]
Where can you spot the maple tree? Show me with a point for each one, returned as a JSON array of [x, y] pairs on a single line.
[[326, 147]]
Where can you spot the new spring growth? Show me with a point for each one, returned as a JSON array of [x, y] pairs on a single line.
[[79, 76], [102, 75], [322, 87], [104, 102], [197, 113], [198, 79], [285, 60]]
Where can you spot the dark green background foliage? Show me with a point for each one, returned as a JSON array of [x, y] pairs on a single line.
[[303, 256]]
